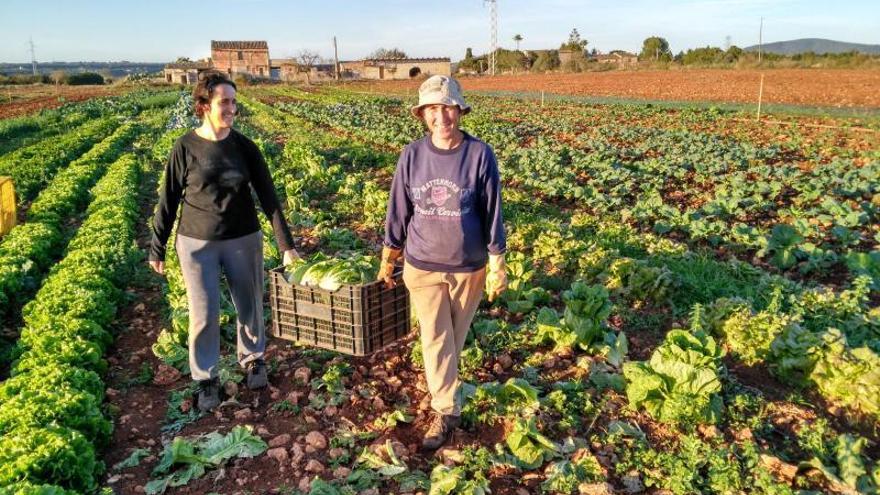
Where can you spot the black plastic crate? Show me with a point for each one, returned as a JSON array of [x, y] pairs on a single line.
[[356, 319]]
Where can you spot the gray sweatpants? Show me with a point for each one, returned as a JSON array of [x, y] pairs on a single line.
[[241, 259]]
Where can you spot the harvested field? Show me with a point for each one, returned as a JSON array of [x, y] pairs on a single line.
[[823, 87], [22, 100]]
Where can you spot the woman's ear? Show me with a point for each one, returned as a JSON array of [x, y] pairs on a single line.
[[204, 108]]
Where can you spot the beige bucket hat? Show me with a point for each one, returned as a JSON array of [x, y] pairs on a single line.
[[440, 90]]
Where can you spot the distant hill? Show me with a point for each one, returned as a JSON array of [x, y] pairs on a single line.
[[116, 69], [815, 45]]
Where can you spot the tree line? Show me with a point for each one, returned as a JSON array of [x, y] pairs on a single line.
[[574, 56]]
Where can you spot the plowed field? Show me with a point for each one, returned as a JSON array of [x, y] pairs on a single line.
[[824, 87]]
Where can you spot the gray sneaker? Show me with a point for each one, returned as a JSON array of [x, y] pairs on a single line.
[[256, 374], [440, 430], [208, 395]]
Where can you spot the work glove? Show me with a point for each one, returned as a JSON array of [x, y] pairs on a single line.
[[386, 266], [289, 257], [496, 276]]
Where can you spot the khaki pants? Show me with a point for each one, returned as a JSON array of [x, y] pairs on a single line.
[[445, 304]]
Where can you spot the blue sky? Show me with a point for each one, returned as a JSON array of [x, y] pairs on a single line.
[[159, 31]]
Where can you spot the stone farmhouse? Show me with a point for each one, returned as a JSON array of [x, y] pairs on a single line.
[[251, 59], [619, 58], [241, 57], [397, 68]]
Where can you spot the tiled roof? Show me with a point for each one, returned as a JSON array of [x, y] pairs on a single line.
[[406, 60], [239, 45], [188, 65]]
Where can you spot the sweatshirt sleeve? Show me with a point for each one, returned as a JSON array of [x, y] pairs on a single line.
[[170, 193], [493, 220], [400, 208], [261, 181]]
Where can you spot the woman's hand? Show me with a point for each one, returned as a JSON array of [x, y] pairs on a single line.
[[157, 266], [289, 257], [386, 266], [496, 276]]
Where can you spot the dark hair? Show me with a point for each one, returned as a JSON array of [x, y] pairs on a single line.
[[204, 90]]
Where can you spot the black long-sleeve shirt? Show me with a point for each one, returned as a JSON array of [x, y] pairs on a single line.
[[214, 180]]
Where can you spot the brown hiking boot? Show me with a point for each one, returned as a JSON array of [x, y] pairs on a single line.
[[440, 430]]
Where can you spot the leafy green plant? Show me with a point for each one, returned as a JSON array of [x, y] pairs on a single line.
[[528, 445], [680, 383], [586, 309], [191, 459], [521, 296], [48, 455], [847, 469], [849, 376], [565, 476], [782, 246], [637, 282], [331, 383], [468, 477], [750, 335], [491, 402]]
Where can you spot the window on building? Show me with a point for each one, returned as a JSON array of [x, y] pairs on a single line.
[[240, 56]]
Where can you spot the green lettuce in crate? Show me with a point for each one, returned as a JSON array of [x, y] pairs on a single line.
[[331, 273]]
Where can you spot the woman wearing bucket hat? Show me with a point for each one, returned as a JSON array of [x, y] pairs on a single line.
[[444, 217]]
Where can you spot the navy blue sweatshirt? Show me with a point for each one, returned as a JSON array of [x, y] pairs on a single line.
[[445, 206], [213, 180]]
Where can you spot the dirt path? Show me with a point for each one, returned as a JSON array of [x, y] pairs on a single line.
[[139, 387]]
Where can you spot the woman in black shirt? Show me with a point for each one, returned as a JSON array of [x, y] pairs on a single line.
[[212, 170]]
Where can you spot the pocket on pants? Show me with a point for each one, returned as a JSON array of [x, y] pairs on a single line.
[[415, 278]]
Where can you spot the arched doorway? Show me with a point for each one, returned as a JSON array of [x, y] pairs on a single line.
[[415, 72]]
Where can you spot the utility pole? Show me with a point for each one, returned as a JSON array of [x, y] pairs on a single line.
[[336, 59], [760, 40], [493, 34], [33, 56]]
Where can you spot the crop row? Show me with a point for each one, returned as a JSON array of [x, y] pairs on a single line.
[[51, 415], [30, 248]]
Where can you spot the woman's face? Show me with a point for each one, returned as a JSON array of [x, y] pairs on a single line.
[[221, 112], [442, 120]]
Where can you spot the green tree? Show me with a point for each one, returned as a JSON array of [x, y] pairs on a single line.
[[655, 48], [517, 39], [470, 63], [574, 43], [547, 60]]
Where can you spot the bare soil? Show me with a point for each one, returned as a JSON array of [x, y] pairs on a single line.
[[21, 100], [822, 87]]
